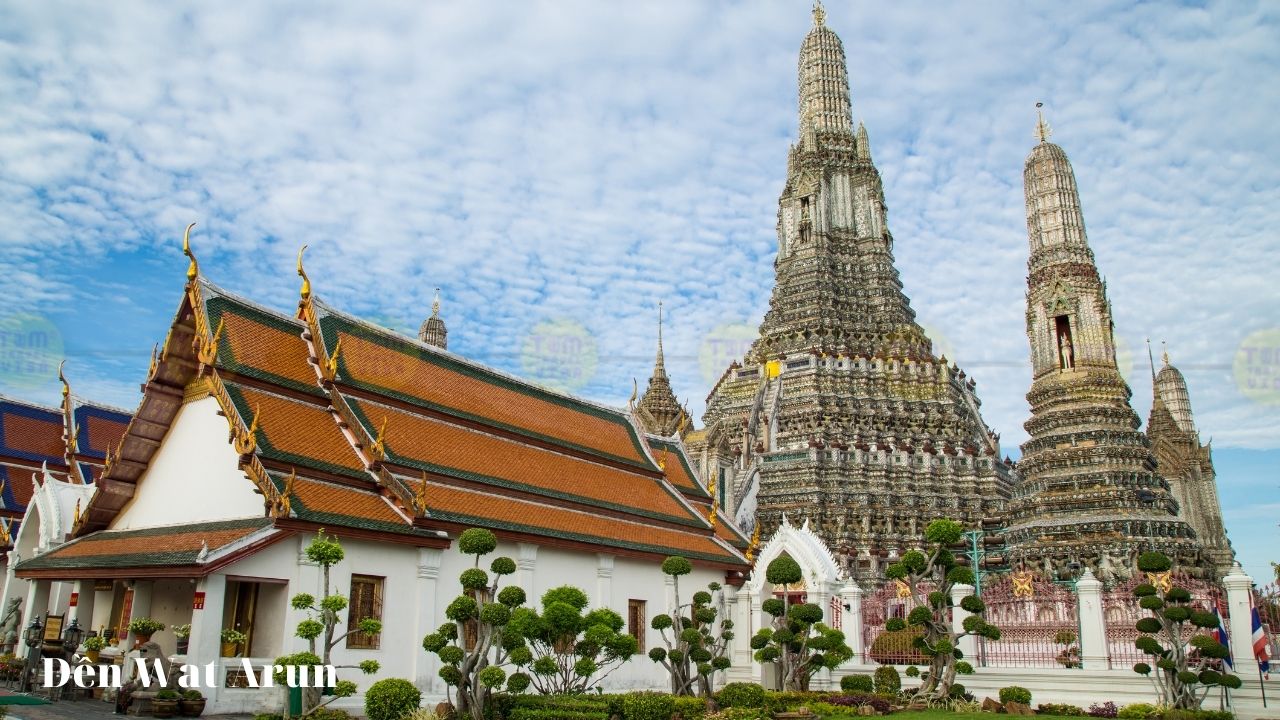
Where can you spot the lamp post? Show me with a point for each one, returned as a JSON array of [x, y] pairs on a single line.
[[72, 636], [33, 636]]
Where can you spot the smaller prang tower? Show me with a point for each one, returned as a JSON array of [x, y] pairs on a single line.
[[433, 331], [1090, 494], [658, 410], [1186, 464]]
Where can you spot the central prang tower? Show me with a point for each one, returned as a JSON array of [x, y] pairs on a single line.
[[840, 413]]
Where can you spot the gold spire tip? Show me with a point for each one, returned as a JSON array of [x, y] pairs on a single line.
[[1043, 131], [435, 304], [193, 270], [305, 290], [819, 13]]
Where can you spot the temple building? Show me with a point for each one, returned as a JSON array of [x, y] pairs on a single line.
[[1186, 464], [257, 429], [1090, 492], [433, 332], [50, 459], [840, 415]]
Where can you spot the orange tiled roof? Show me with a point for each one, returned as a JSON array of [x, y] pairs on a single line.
[[676, 466], [259, 343], [334, 504], [403, 369], [495, 511], [438, 446], [169, 545], [296, 432]]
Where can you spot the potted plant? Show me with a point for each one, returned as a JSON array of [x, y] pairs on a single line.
[[92, 646], [144, 627], [165, 703], [183, 633], [231, 639], [192, 703]]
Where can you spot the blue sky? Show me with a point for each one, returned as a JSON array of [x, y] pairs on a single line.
[[558, 167]]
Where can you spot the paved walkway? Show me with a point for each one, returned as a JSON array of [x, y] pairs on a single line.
[[77, 710]]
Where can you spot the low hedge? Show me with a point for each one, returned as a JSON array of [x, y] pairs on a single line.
[[741, 694]]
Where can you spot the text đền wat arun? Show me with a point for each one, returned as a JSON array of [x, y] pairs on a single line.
[[840, 413]]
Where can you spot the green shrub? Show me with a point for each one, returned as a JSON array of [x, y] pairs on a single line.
[[1136, 711], [646, 706], [887, 680], [192, 694], [1060, 709], [391, 699], [741, 694], [1015, 693], [896, 647], [692, 708], [912, 671], [167, 694], [331, 713], [856, 683]]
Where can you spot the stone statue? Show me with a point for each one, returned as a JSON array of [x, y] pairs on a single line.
[[1064, 349], [11, 625]]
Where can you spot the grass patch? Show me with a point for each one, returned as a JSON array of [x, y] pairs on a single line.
[[939, 715]]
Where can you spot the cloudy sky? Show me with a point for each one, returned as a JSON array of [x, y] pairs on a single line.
[[557, 168]]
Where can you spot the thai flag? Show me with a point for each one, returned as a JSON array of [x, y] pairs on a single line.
[[1261, 650], [1221, 635]]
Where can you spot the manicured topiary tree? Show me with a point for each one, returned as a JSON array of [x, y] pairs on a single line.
[[566, 651], [1181, 679], [939, 641], [796, 639], [321, 625], [695, 642], [475, 672]]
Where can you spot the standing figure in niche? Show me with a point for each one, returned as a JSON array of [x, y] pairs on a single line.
[[1065, 352]]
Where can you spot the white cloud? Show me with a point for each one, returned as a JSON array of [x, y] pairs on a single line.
[[581, 160]]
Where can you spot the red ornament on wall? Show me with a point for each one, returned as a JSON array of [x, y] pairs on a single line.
[[75, 599], [197, 603]]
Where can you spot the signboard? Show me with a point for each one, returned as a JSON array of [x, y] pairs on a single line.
[[197, 603], [75, 599]]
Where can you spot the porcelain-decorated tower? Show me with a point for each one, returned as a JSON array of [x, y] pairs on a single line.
[[1090, 493], [840, 413], [1186, 464]]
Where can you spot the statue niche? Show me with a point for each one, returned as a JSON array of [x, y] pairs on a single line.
[[1066, 351]]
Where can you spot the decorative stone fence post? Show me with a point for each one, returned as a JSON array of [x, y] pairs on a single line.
[[851, 620], [1239, 586], [969, 644], [1094, 654]]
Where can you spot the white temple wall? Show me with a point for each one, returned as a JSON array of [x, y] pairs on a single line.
[[211, 485]]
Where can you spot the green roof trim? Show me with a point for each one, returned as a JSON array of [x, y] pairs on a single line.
[[217, 305], [331, 323], [678, 451], [357, 409], [50, 560], [592, 539], [301, 512], [265, 447]]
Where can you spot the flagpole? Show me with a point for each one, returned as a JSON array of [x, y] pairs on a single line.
[[1262, 684]]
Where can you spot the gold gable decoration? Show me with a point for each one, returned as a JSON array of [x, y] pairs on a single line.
[[282, 501], [1163, 581], [904, 590], [1023, 584]]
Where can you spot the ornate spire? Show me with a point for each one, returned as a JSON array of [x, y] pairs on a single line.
[[1170, 388], [659, 411], [1055, 222], [433, 330], [824, 80]]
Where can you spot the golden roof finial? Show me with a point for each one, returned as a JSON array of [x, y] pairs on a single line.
[[435, 304], [1043, 131], [631, 401], [5, 537], [380, 442], [1164, 352], [819, 13], [66, 386], [715, 507], [420, 496], [305, 291], [331, 364], [282, 503], [755, 543], [193, 270]]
